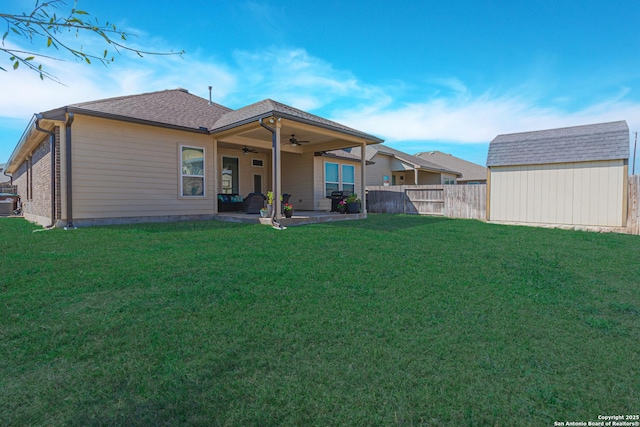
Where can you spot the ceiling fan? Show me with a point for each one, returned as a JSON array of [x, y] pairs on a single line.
[[246, 150], [295, 142]]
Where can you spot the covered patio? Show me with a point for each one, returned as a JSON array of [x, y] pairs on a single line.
[[269, 146]]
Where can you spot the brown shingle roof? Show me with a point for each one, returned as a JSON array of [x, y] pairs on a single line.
[[372, 150], [176, 107], [268, 107], [470, 171]]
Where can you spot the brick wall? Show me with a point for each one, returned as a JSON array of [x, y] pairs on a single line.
[[33, 179]]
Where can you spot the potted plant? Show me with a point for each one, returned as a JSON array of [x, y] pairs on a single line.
[[264, 212], [288, 210], [353, 203], [342, 206], [269, 203]]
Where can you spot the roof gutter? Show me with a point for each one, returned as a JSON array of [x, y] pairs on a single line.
[[52, 150], [71, 110], [21, 144]]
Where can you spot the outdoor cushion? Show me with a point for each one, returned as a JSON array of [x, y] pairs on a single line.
[[229, 202]]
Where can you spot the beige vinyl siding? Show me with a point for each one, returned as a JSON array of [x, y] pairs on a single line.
[[131, 170], [297, 179], [377, 170], [321, 202], [587, 193], [424, 178], [448, 176], [246, 170], [397, 165]]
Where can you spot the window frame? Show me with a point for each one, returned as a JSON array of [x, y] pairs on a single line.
[[331, 182], [342, 181], [222, 157], [183, 175]]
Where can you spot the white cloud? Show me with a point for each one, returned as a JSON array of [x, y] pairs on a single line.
[[295, 77], [480, 119]]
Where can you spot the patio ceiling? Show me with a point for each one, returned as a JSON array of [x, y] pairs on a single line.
[[255, 136]]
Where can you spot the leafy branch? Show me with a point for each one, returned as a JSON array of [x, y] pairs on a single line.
[[44, 25]]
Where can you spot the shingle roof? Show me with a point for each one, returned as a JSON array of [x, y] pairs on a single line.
[[470, 171], [176, 107], [603, 141], [372, 150], [269, 107]]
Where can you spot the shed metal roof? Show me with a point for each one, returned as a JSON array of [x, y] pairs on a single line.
[[602, 141]]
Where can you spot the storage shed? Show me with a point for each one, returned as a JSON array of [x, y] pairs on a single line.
[[575, 175]]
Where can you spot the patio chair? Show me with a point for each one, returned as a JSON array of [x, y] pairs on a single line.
[[254, 202]]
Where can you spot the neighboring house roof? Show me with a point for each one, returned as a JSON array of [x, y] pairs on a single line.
[[418, 163], [603, 141], [342, 154], [3, 177], [470, 171]]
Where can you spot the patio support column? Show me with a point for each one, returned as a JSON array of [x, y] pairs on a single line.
[[277, 169], [415, 175], [215, 175], [363, 176]]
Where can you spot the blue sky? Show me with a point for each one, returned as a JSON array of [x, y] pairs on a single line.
[[422, 75]]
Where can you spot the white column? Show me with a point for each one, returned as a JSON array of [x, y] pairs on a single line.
[[363, 176], [278, 172], [215, 176]]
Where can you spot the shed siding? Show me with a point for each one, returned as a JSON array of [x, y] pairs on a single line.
[[128, 170], [586, 193]]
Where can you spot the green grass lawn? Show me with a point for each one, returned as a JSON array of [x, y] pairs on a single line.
[[393, 320]]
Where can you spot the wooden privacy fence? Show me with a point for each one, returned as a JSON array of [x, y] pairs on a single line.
[[633, 218], [452, 201]]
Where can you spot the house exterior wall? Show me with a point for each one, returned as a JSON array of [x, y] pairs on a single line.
[[126, 170], [378, 170], [33, 180], [444, 177], [320, 200], [297, 179], [246, 170], [426, 178], [585, 193]]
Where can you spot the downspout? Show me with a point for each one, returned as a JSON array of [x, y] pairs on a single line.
[[70, 225], [52, 145], [276, 195]]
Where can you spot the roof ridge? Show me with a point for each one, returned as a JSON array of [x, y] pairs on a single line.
[[594, 125], [113, 98]]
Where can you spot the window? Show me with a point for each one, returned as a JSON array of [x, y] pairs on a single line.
[[339, 177], [230, 175], [192, 171], [449, 181], [331, 178], [258, 163], [349, 178]]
